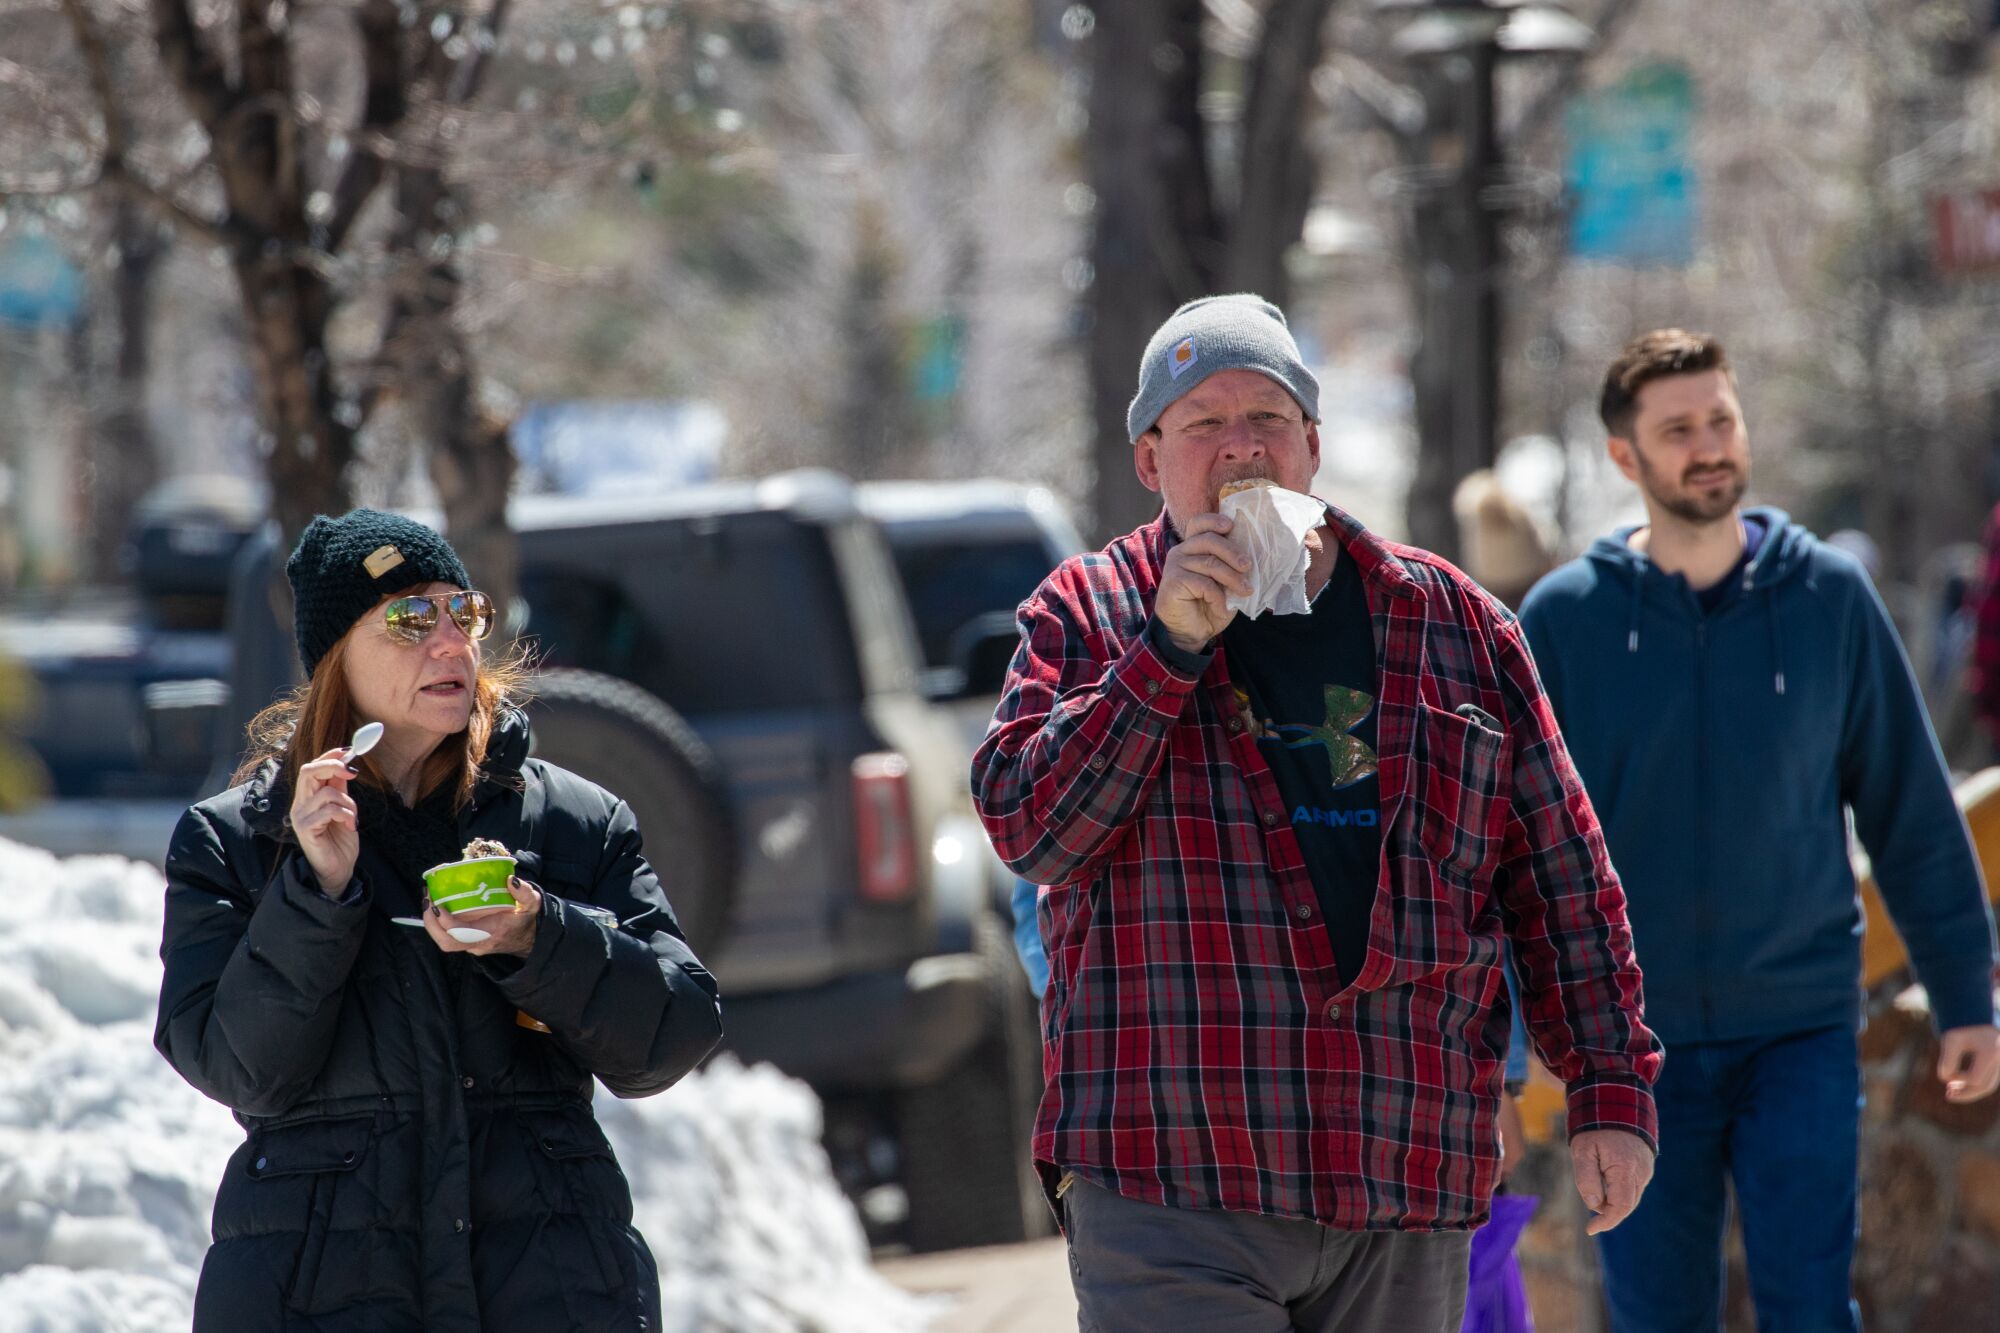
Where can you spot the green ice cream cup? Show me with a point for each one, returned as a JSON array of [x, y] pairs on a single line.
[[477, 885]]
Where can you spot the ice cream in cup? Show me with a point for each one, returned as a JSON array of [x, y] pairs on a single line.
[[475, 884]]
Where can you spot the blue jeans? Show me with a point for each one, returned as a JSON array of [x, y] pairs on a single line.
[[1779, 1117], [1028, 936]]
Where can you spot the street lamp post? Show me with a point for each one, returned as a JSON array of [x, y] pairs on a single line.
[[1456, 47]]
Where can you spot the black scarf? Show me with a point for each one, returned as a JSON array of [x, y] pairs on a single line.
[[411, 840]]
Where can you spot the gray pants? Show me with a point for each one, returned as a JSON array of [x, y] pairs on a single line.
[[1140, 1267]]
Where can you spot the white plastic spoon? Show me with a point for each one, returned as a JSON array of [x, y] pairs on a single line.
[[463, 934], [366, 736]]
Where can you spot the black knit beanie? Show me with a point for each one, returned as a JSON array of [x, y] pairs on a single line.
[[342, 566]]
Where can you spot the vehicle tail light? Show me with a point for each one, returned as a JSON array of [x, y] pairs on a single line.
[[885, 834]]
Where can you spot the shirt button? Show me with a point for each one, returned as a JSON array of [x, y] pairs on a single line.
[[262, 1162], [466, 1082], [1098, 761], [1236, 724], [1152, 687], [458, 1224], [1332, 1010], [1303, 911], [1270, 818]]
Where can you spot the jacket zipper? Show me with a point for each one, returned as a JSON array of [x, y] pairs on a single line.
[[1704, 886], [1705, 890]]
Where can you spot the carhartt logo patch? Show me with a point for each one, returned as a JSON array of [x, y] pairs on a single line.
[[1181, 357], [381, 560]]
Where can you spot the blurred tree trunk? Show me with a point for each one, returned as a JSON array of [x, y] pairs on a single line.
[[1279, 171], [284, 238], [1427, 253], [286, 309], [124, 460], [255, 145], [1163, 236], [873, 427], [1435, 244], [469, 450], [121, 463], [1156, 225]]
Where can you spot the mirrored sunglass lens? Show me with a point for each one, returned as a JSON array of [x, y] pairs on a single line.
[[473, 611], [411, 618]]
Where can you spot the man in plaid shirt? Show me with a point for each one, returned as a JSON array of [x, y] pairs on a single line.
[[1275, 1023]]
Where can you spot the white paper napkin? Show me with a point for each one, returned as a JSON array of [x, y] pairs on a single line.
[[1271, 523]]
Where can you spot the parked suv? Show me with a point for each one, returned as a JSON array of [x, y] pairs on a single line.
[[968, 554]]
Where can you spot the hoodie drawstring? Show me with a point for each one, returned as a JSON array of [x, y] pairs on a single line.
[[1777, 641], [1615, 549], [1638, 600], [1770, 615]]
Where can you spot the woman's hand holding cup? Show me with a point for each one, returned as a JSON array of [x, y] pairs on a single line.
[[325, 821], [511, 933]]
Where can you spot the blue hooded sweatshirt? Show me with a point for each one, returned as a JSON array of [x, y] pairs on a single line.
[[1721, 750]]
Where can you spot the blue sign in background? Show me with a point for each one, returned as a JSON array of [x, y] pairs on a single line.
[[39, 287], [1632, 187]]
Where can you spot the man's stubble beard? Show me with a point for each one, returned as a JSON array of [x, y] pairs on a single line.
[[1689, 508]]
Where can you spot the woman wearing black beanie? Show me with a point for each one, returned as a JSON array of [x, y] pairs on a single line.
[[420, 1150]]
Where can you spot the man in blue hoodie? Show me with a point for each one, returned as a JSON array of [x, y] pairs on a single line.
[[1730, 687]]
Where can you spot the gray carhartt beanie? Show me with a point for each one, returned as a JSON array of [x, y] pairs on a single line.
[[1239, 332]]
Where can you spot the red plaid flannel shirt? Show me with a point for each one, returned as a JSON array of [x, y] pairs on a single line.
[[1200, 1049]]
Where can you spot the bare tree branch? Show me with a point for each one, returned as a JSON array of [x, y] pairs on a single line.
[[472, 69], [1396, 110], [47, 101], [1278, 171], [386, 106], [182, 215], [97, 64], [52, 184], [192, 63], [114, 168], [383, 108], [44, 185]]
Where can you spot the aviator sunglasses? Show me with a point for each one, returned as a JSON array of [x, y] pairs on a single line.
[[411, 619]]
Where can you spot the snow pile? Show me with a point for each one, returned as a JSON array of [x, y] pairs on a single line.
[[733, 1192], [109, 1162]]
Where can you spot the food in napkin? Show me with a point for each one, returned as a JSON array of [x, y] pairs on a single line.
[[1271, 523]]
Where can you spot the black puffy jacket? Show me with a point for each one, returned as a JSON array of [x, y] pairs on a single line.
[[418, 1158]]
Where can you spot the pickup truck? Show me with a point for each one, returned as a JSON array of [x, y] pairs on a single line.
[[738, 661]]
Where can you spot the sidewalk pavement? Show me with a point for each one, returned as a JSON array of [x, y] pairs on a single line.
[[1002, 1289]]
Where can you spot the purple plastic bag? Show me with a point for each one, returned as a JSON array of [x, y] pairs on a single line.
[[1496, 1300]]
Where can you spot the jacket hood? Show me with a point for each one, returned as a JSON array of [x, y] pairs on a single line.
[[267, 800], [1784, 551]]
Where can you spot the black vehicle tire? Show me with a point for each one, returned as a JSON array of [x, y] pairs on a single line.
[[630, 743], [965, 1139]]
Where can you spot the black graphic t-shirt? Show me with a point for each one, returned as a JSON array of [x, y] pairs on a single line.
[[1307, 685]]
